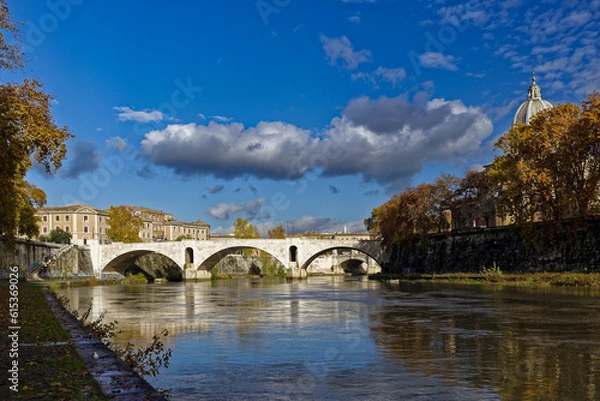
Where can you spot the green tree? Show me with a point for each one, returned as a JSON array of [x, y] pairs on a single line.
[[124, 226], [57, 236], [277, 233], [242, 228], [550, 169], [29, 135], [183, 237]]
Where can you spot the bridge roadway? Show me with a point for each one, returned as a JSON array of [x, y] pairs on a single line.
[[197, 258]]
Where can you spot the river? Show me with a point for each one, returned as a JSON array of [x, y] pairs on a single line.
[[346, 338]]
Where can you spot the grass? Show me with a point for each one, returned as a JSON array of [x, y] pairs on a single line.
[[540, 279], [93, 281], [46, 372]]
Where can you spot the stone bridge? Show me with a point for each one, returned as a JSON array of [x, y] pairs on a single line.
[[197, 258]]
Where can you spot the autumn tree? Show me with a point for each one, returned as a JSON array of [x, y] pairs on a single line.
[[550, 169], [277, 233], [124, 226], [29, 135], [242, 228], [475, 200], [415, 212]]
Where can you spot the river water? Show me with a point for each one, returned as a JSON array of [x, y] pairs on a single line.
[[344, 338]]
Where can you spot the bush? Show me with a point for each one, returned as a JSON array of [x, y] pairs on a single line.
[[138, 278], [271, 266], [493, 274]]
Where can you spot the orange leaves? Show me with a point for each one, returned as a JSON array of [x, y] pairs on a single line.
[[414, 212], [551, 167], [124, 227]]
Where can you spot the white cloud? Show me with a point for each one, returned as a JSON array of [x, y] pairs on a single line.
[[438, 60], [273, 150], [355, 19], [342, 49], [117, 143], [251, 209], [145, 116], [221, 119], [386, 140], [392, 75], [559, 39]]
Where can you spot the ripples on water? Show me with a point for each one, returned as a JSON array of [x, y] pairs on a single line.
[[342, 338]]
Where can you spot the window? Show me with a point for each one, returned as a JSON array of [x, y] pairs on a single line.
[[85, 229], [44, 218], [57, 218], [100, 230], [67, 229], [99, 219], [66, 218], [45, 230], [85, 218]]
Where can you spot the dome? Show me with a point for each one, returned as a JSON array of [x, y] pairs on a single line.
[[533, 105]]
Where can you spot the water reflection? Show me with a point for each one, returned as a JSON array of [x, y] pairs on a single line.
[[350, 339], [525, 344]]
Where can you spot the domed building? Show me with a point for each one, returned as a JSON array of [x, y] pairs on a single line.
[[533, 105]]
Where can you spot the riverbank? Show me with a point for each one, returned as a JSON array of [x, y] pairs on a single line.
[[58, 358], [495, 276], [49, 367]]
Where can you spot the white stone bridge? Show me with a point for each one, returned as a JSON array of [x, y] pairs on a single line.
[[197, 258]]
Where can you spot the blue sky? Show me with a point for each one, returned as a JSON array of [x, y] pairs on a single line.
[[294, 112]]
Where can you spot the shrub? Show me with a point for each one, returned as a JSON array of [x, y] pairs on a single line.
[[138, 278], [493, 274]]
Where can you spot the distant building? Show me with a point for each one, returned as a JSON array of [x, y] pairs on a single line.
[[82, 221], [87, 223], [533, 105], [530, 107], [162, 226], [198, 230]]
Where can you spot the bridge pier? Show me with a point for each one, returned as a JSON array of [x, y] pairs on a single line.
[[296, 273], [190, 274]]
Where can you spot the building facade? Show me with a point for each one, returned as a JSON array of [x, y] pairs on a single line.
[[82, 221], [87, 223], [162, 226]]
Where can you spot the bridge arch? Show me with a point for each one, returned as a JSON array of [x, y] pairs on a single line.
[[153, 264], [210, 262], [315, 255]]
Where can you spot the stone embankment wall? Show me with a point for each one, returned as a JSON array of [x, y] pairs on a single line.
[[570, 246], [74, 262]]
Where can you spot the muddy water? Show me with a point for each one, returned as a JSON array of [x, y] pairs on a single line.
[[341, 338]]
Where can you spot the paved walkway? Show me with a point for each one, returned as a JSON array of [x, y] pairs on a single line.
[[117, 380]]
